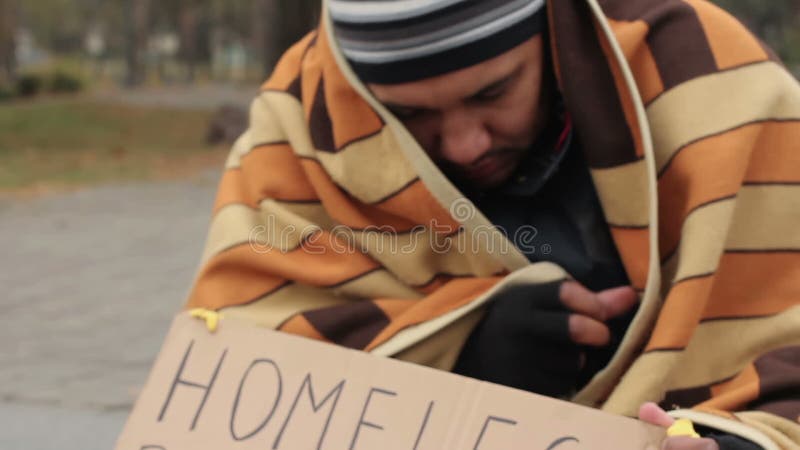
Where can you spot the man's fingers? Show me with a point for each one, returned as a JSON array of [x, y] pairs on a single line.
[[599, 306], [581, 300], [617, 301], [653, 414], [689, 443], [584, 330]]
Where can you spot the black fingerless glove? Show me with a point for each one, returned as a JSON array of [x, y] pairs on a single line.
[[523, 342]]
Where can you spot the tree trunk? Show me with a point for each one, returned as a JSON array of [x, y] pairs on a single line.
[[188, 22], [8, 27], [302, 17], [136, 45], [267, 25], [277, 24]]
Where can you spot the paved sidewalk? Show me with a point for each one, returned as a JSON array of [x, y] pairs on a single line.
[[47, 428], [90, 282]]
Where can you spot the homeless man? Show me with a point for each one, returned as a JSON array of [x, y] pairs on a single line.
[[597, 202]]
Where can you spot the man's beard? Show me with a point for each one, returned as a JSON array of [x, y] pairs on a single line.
[[459, 175]]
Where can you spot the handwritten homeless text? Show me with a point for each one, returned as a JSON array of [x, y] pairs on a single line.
[[250, 388], [275, 383]]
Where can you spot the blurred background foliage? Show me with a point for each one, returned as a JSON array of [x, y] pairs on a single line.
[[140, 41], [100, 90], [101, 58]]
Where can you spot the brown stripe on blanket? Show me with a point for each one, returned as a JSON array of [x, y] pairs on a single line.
[[299, 325], [731, 393], [628, 10], [679, 46], [685, 398], [338, 116], [295, 88], [589, 89], [732, 44], [351, 325], [353, 125], [779, 386], [676, 38], [319, 122]]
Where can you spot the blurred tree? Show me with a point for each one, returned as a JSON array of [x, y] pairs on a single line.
[[189, 17], [277, 24], [233, 16], [8, 16], [136, 40], [266, 32], [58, 25], [254, 31]]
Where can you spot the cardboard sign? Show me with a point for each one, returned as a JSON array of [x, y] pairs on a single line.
[[246, 388]]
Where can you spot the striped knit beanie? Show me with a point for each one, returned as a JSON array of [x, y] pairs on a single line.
[[398, 41]]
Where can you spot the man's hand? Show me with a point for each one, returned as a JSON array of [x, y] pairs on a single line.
[[533, 337], [590, 311], [653, 414]]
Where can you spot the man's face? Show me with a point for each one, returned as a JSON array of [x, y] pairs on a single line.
[[476, 123]]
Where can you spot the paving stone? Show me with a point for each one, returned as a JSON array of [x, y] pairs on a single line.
[[91, 280]]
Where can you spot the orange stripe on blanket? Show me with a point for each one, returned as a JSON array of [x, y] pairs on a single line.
[[274, 171], [269, 171], [232, 189], [680, 314], [416, 204], [776, 157], [754, 284], [735, 394], [311, 78], [633, 245], [243, 274], [223, 285], [731, 43], [347, 210], [451, 296], [686, 182], [632, 39], [745, 285], [288, 68]]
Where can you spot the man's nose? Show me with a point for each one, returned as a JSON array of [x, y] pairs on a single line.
[[464, 137]]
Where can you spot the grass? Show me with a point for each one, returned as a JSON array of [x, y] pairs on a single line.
[[52, 143]]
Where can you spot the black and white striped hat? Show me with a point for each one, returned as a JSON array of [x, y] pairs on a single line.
[[397, 41]]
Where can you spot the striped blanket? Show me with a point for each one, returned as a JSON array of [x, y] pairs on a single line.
[[332, 223]]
